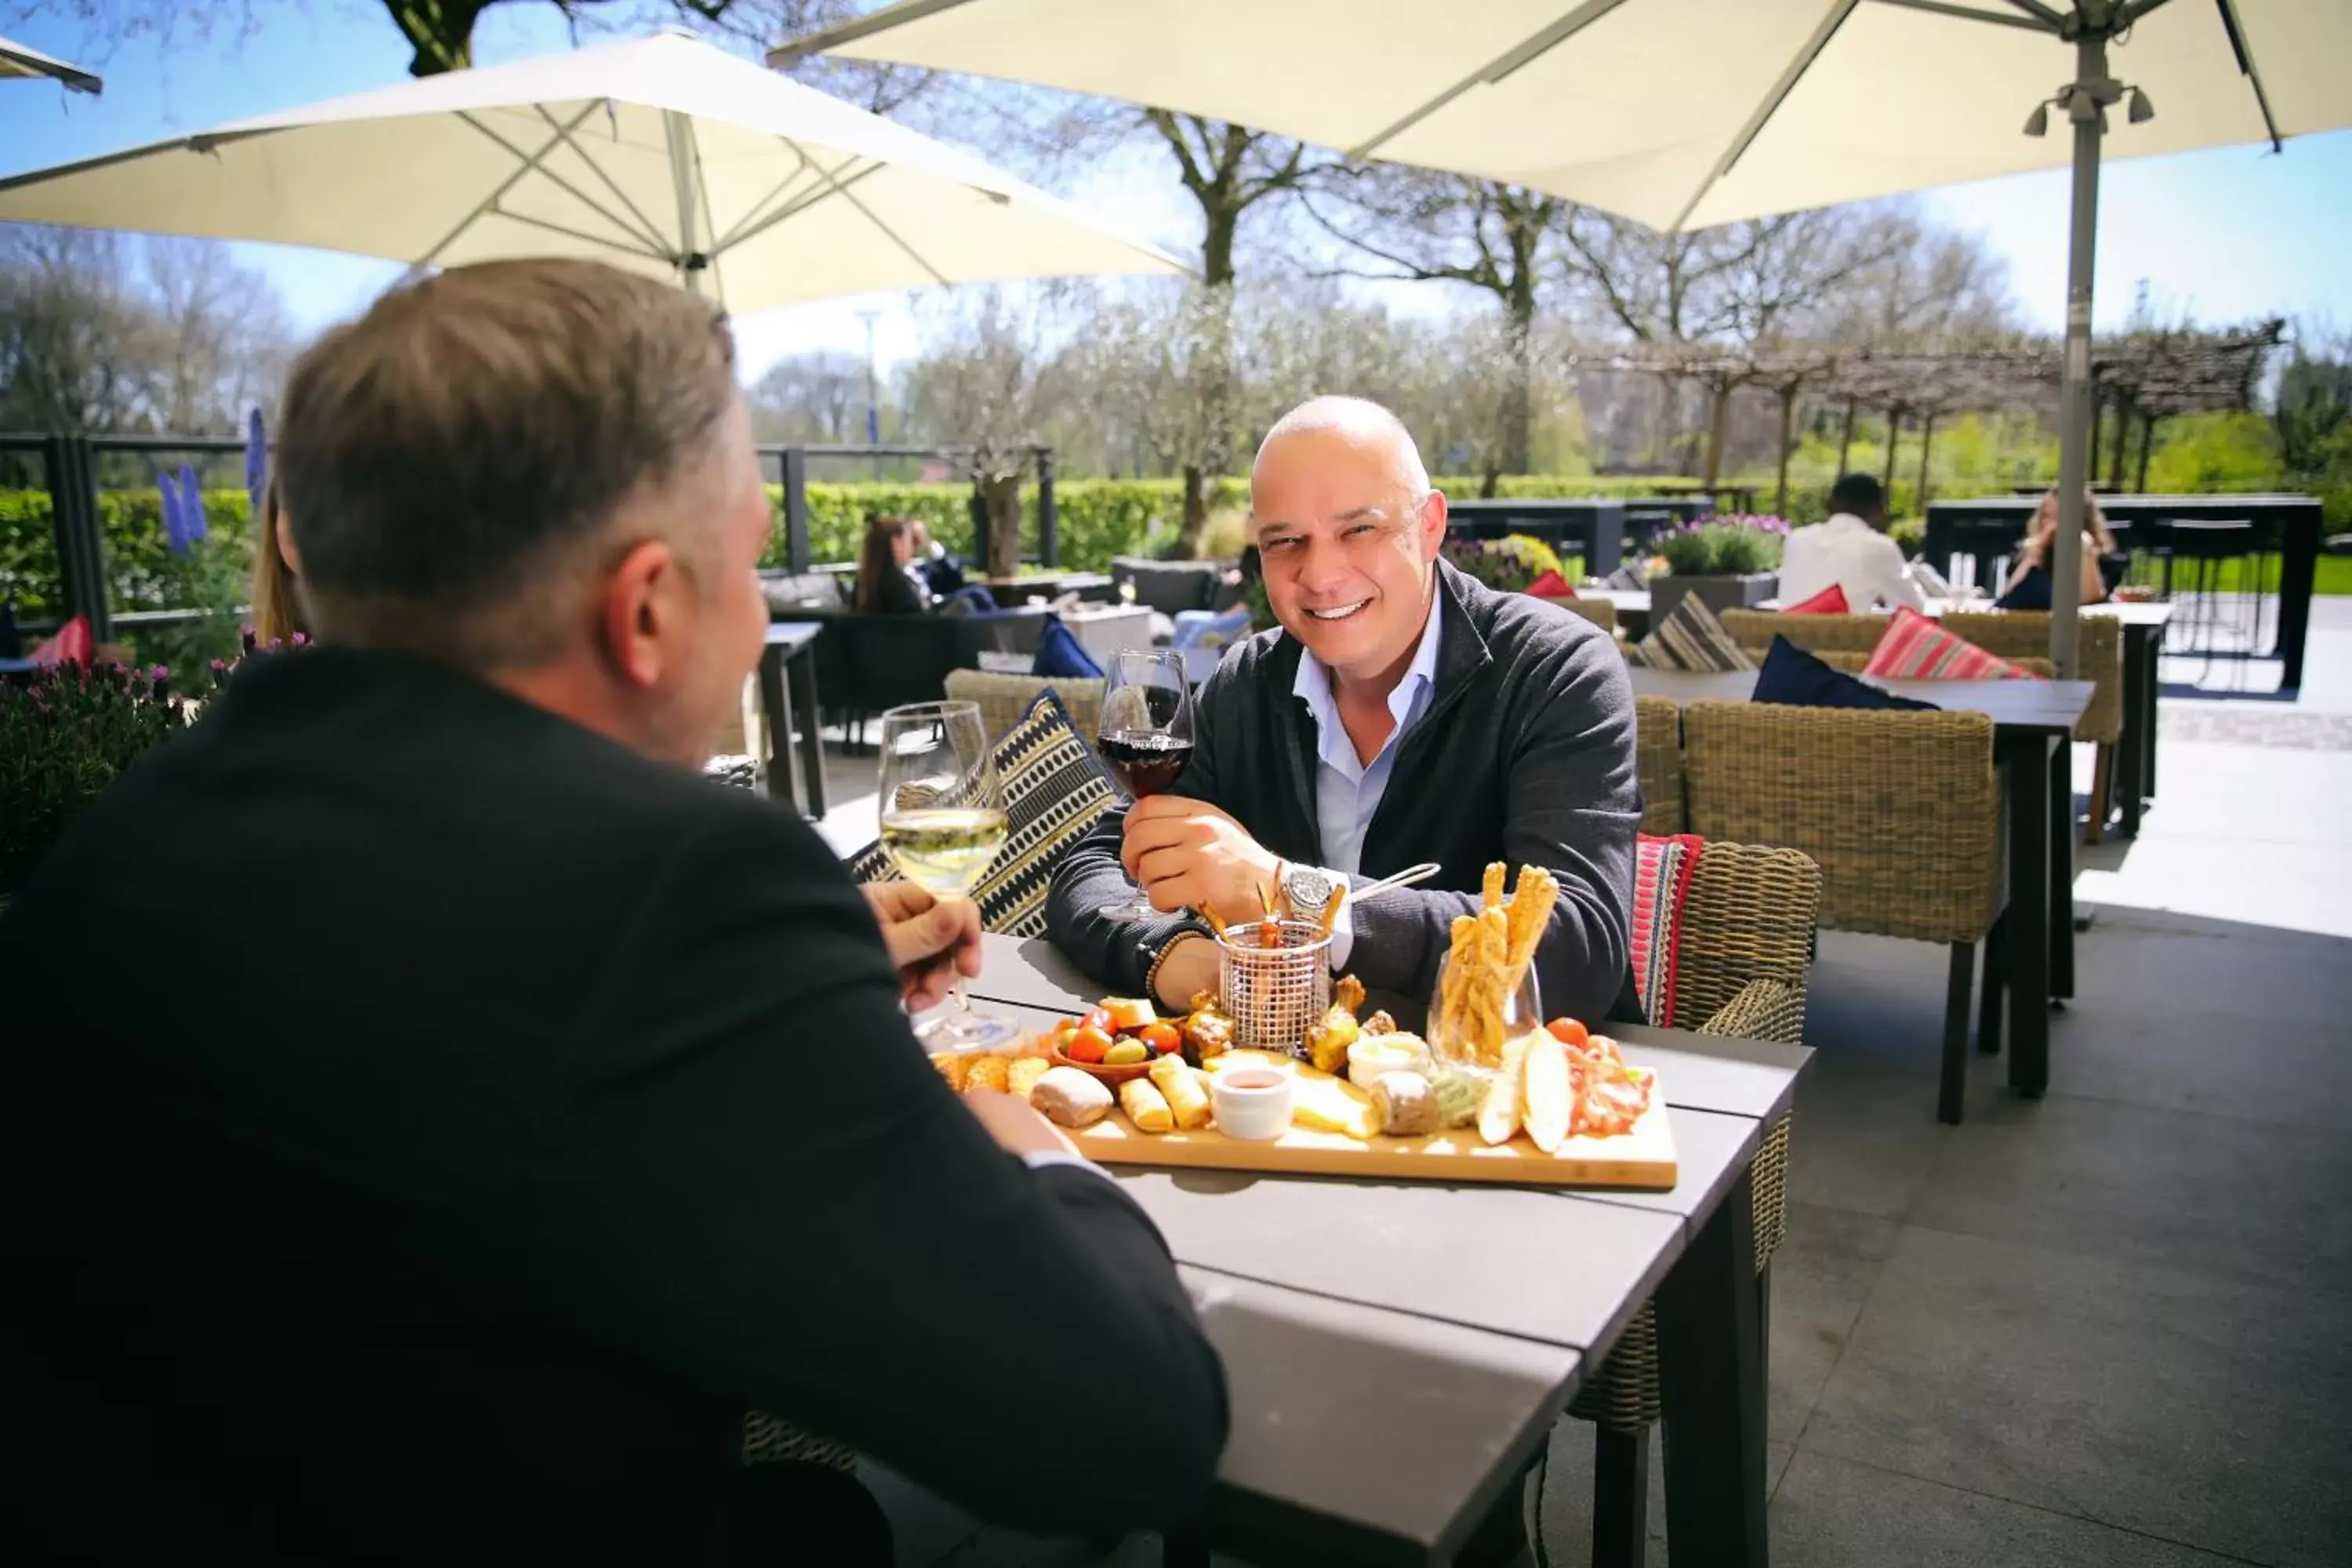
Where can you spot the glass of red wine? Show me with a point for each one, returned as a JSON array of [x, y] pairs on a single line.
[[1145, 736]]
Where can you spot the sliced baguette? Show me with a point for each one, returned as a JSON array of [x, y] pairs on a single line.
[[1545, 1091], [1498, 1119]]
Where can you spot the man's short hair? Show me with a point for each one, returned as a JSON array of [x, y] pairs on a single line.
[[449, 463], [1857, 493], [1359, 418]]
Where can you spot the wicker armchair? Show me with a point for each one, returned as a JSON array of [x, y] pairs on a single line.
[[1004, 698], [1602, 613], [1900, 810], [1754, 630], [1659, 758], [2020, 635], [1747, 943]]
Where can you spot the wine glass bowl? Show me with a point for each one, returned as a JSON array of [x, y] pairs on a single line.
[[1145, 736], [943, 824]]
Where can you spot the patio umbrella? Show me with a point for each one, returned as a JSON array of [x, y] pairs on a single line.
[[1684, 114], [664, 155], [16, 60]]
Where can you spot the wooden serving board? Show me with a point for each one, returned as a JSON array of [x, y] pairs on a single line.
[[1643, 1157]]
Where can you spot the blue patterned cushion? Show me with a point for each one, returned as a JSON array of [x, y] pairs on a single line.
[[1795, 679], [1054, 790], [1059, 652]]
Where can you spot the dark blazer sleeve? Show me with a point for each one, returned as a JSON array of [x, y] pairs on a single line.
[[1571, 803], [1091, 877], [762, 1180]]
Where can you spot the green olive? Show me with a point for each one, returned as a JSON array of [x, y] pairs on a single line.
[[1127, 1053]]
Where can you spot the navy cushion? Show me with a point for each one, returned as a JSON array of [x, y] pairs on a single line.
[[1794, 679], [1059, 652]]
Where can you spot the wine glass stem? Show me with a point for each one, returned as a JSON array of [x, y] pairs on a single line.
[[958, 1000]]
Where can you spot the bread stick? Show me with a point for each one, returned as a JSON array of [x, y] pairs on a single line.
[[1491, 894]]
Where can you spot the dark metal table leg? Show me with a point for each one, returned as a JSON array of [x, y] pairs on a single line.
[[1711, 1374], [2139, 712], [775, 712], [2061, 870], [2154, 674], [2029, 916], [1621, 1498], [802, 671]]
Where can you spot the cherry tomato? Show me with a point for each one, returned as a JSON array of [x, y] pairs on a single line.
[[1569, 1032], [1089, 1044], [1162, 1038], [1098, 1020]]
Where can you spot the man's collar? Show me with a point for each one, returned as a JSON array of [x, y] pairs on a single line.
[[1836, 518], [1312, 683]]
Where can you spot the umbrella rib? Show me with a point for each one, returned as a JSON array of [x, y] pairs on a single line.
[[533, 164], [647, 230], [1971, 14], [761, 206], [880, 21], [842, 190], [832, 186], [1494, 70], [1836, 18], [649, 252], [489, 202], [2049, 18], [2237, 32]]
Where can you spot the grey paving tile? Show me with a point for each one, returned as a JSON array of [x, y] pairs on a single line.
[[1567, 1508], [2201, 1408], [2226, 1194], [1831, 1514], [1821, 1276], [1865, 1137]]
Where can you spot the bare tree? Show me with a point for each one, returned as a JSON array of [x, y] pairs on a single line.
[[107, 332], [817, 397], [1501, 239], [986, 386]]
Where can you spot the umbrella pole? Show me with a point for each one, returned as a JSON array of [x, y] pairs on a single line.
[[690, 260], [2085, 102]]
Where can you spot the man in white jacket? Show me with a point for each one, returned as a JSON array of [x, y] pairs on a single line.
[[1852, 552]]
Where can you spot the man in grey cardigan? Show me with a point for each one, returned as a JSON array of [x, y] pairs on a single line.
[[1404, 712]]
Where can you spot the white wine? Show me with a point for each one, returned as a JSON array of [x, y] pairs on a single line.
[[944, 852]]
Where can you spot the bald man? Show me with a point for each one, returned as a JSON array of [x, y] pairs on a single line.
[[1402, 712]]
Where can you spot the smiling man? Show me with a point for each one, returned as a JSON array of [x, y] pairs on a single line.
[[1404, 712]]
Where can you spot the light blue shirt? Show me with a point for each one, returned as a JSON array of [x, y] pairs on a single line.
[[1348, 790]]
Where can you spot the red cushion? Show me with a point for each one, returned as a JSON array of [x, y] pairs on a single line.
[[1916, 648], [72, 644], [1830, 601], [1552, 585], [1662, 875]]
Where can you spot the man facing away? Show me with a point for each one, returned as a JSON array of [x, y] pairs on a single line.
[[1404, 712], [1851, 552], [506, 1109]]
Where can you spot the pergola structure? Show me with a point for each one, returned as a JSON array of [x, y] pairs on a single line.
[[2142, 375]]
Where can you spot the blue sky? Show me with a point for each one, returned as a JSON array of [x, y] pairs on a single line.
[[2223, 235]]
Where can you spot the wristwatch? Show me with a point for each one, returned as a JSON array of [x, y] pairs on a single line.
[[1309, 890]]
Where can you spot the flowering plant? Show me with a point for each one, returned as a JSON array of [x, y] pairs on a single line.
[[67, 732], [1723, 546], [1506, 565]]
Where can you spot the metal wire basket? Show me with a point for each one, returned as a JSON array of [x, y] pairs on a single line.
[[1273, 993]]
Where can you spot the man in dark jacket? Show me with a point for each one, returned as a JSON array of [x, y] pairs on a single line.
[[1402, 713], [436, 1115]]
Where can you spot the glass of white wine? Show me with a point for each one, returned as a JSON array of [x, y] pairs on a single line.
[[942, 824]]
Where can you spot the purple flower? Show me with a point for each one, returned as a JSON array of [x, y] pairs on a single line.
[[247, 636], [301, 639]]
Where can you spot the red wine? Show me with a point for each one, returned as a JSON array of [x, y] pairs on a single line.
[[1147, 763]]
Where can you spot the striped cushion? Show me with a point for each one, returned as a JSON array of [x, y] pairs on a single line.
[[1054, 791], [1693, 639], [1662, 874], [1913, 648]]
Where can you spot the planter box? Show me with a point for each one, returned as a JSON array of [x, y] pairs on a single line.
[[1717, 594]]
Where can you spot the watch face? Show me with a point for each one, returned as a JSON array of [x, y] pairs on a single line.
[[1310, 889]]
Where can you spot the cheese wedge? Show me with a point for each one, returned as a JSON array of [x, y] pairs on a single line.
[[1322, 1103], [1498, 1119], [1544, 1092]]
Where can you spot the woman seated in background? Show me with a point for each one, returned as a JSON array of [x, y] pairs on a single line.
[[277, 609], [2028, 587], [884, 586]]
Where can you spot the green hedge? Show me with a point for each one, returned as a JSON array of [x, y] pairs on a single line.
[[1094, 518]]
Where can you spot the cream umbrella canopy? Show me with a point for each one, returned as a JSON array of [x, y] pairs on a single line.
[[664, 155], [18, 61], [1686, 113]]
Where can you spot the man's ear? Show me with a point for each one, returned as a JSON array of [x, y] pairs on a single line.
[[1432, 524], [639, 612]]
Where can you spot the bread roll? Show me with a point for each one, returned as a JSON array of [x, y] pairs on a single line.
[[1546, 1092], [1146, 1106], [1071, 1098], [1186, 1099], [1498, 1119]]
